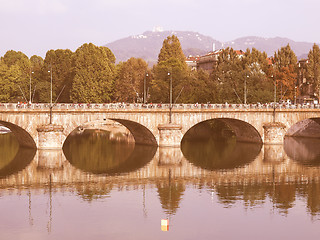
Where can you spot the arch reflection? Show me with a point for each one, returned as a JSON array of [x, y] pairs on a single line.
[[223, 154], [13, 158], [303, 150], [92, 151]]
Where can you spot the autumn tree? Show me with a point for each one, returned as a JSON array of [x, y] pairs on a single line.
[[129, 80], [94, 74], [285, 71], [313, 67], [171, 64]]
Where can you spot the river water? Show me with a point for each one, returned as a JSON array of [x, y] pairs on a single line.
[[96, 188]]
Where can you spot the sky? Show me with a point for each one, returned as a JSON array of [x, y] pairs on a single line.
[[36, 26]]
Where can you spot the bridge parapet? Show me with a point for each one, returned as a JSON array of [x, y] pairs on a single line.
[[69, 106]]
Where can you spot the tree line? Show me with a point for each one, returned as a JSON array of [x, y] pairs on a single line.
[[91, 75]]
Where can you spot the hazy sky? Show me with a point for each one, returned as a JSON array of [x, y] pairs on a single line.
[[36, 26]]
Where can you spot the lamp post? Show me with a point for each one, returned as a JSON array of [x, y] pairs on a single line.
[[274, 98], [30, 100], [245, 89], [170, 104], [295, 95], [50, 71], [144, 88]]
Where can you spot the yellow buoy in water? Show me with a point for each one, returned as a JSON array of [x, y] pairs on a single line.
[[164, 225]]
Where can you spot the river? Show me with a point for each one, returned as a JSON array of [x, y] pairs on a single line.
[[97, 188]]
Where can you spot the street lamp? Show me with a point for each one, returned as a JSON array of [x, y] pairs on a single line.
[[50, 71], [30, 100], [274, 98], [170, 105], [245, 89], [144, 88]]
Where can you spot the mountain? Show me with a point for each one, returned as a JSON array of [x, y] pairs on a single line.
[[270, 45], [148, 45]]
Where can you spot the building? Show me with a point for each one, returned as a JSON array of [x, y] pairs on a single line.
[[209, 61], [192, 62], [304, 86]]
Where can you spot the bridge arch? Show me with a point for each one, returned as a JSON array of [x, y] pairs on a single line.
[[309, 127], [140, 133], [243, 131], [23, 137]]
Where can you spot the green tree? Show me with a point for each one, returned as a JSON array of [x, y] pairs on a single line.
[[313, 67], [61, 63], [94, 74], [200, 88], [18, 63], [284, 58], [129, 81], [9, 78], [259, 85], [171, 64], [229, 76], [36, 77]]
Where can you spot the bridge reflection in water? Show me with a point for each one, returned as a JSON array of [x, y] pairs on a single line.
[[279, 177], [234, 171]]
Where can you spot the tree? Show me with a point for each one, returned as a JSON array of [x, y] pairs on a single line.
[[129, 81], [171, 64], [259, 86], [61, 63], [9, 78], [200, 88], [171, 48], [94, 74], [285, 72], [36, 77], [19, 68], [229, 77], [313, 67]]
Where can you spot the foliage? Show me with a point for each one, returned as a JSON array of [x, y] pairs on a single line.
[[313, 67], [285, 72], [19, 67], [9, 82], [129, 80], [171, 48], [36, 77], [60, 62], [90, 75], [229, 77], [171, 67], [94, 71]]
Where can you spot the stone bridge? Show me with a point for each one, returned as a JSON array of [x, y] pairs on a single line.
[[46, 127]]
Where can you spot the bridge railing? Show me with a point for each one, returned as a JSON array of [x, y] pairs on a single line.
[[78, 106]]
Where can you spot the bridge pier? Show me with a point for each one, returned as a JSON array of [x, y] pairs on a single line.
[[50, 159], [170, 135], [274, 133], [50, 136]]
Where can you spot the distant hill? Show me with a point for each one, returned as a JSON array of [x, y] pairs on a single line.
[[270, 45], [148, 45]]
